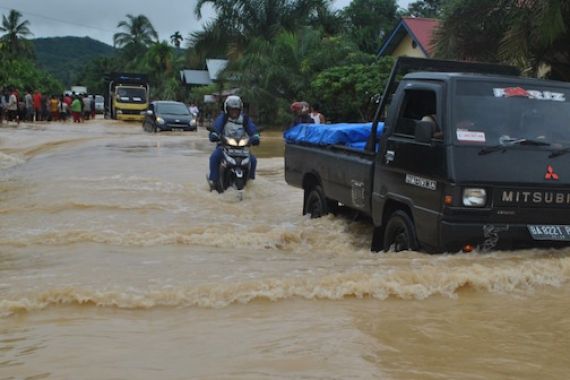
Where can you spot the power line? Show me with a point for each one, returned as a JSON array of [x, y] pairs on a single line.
[[57, 20]]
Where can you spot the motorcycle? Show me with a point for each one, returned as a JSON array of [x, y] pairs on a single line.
[[235, 166]]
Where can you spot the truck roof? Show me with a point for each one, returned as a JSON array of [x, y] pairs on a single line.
[[448, 76]]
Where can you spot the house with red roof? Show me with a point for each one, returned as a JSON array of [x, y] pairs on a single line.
[[412, 37]]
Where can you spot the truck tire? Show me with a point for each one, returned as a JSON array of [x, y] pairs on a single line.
[[400, 233], [316, 203]]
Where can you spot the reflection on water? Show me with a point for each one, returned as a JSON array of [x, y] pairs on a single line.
[[117, 262]]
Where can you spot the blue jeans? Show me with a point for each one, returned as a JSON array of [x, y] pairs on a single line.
[[216, 158]]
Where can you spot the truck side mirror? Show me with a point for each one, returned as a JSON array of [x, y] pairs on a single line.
[[149, 112], [424, 131]]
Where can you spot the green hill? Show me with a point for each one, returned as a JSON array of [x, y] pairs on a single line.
[[64, 57]]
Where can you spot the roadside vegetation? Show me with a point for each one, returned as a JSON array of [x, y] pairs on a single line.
[[286, 50]]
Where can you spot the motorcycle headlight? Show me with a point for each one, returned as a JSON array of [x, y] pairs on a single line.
[[474, 197], [232, 141], [243, 142], [160, 120]]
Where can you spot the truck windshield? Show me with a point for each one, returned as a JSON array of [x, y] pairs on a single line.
[[172, 109], [131, 94], [492, 113]]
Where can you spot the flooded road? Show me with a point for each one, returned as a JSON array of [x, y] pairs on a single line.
[[116, 262]]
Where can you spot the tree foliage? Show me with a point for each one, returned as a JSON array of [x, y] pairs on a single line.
[[369, 21], [352, 89]]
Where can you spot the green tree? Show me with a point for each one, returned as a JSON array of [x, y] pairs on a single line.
[[369, 21], [15, 33], [537, 33], [425, 8], [176, 39], [240, 21], [137, 31], [351, 89], [471, 30]]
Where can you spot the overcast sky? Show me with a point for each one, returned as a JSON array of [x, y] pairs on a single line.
[[98, 18]]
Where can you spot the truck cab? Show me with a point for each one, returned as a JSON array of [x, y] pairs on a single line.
[[471, 156], [128, 96]]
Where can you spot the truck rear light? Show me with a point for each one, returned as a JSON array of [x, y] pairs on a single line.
[[448, 200], [468, 248]]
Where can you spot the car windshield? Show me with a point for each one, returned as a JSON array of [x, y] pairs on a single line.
[[99, 99], [491, 113], [172, 108], [135, 94]]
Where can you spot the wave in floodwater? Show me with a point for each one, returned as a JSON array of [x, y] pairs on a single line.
[[8, 161], [327, 234], [408, 284]]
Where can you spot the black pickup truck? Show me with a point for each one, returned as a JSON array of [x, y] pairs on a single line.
[[472, 156]]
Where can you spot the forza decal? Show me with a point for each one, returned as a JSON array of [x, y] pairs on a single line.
[[491, 235], [424, 183], [511, 92]]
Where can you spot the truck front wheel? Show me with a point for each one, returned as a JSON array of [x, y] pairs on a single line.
[[315, 202], [400, 233]]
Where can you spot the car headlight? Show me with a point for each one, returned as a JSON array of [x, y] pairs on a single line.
[[474, 197], [160, 120], [193, 123], [231, 141], [119, 112], [243, 142]]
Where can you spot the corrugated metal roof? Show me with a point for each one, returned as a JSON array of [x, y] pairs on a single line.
[[199, 77], [215, 66]]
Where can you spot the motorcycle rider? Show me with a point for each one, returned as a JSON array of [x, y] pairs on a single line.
[[231, 122]]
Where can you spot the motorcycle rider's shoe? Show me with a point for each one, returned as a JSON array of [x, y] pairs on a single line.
[[211, 183]]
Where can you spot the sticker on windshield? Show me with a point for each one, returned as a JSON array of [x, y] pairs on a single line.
[[464, 135], [510, 92]]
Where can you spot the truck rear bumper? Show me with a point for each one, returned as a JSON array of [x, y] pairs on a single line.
[[455, 236]]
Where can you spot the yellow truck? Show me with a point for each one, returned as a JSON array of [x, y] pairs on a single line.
[[128, 96]]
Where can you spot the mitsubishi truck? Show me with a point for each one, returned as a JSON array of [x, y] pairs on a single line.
[[489, 169], [127, 96]]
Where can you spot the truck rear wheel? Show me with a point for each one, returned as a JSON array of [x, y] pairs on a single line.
[[315, 202], [400, 233]]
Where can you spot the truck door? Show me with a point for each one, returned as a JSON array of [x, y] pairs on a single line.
[[409, 172]]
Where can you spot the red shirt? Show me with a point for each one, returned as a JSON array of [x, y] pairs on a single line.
[[37, 100]]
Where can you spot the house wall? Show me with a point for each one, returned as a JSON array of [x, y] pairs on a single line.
[[406, 49]]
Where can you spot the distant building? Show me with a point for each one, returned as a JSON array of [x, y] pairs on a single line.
[[204, 77], [412, 37]]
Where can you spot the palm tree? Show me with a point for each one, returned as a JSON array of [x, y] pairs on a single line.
[[15, 32], [176, 39], [240, 21], [138, 31], [538, 34]]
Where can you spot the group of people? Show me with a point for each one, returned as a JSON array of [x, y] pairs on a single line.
[[30, 107], [307, 114]]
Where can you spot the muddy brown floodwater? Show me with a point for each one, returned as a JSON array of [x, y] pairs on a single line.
[[117, 263]]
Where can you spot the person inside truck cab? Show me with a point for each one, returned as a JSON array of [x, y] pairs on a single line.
[[231, 122], [436, 130]]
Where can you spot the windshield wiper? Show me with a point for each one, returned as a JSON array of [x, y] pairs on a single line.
[[559, 152], [511, 142]]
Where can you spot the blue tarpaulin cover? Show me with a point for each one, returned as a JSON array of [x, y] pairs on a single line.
[[349, 134]]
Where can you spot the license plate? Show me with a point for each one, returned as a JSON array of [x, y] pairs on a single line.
[[549, 232]]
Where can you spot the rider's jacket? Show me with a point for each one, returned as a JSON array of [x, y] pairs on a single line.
[[224, 125]]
